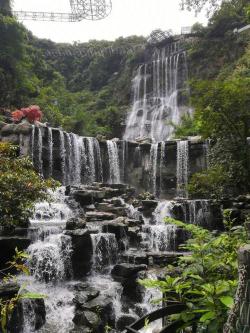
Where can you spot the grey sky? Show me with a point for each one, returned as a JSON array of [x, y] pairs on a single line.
[[128, 17]]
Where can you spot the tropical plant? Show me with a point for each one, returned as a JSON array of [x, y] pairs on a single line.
[[20, 187], [207, 275]]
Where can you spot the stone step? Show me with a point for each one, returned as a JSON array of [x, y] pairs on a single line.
[[110, 208], [99, 216]]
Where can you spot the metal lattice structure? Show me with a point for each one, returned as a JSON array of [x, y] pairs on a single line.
[[80, 10]]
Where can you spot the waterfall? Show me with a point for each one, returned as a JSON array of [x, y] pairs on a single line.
[[153, 163], [162, 162], [156, 87], [40, 150], [50, 265], [199, 212], [159, 235], [91, 173], [114, 165], [63, 156], [98, 160], [105, 250], [49, 255], [182, 167], [32, 141], [76, 162], [50, 151]]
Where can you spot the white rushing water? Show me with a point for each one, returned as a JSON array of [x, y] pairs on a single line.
[[105, 251], [153, 163], [155, 95], [182, 167], [50, 265], [114, 165]]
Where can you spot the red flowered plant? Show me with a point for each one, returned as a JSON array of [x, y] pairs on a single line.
[[31, 113], [17, 116]]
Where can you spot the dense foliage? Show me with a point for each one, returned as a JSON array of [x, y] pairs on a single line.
[[206, 278], [20, 187]]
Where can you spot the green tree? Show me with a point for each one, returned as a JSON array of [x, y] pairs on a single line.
[[20, 187]]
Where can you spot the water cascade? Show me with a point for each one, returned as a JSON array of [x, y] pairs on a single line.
[[153, 163], [182, 167], [50, 266], [114, 165], [105, 251], [50, 152], [158, 88]]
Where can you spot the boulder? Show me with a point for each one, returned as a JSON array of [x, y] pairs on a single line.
[[125, 320], [127, 270], [8, 129], [87, 295], [75, 223], [86, 318]]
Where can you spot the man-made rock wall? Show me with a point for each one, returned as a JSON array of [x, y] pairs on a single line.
[[138, 165]]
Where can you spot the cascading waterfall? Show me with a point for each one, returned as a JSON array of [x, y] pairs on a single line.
[[156, 88], [182, 167], [114, 165], [76, 165], [163, 235], [153, 163], [50, 151], [50, 266], [91, 172], [105, 250], [62, 155], [162, 162], [98, 160], [40, 151]]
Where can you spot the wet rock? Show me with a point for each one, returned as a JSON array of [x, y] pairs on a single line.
[[8, 290], [88, 197], [119, 229], [8, 246], [82, 329], [103, 306], [87, 295], [81, 252], [8, 129], [24, 128], [99, 216], [126, 270], [126, 320], [86, 318], [35, 306], [75, 223], [106, 207], [149, 204]]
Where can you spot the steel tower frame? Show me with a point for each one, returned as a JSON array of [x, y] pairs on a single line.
[[80, 10]]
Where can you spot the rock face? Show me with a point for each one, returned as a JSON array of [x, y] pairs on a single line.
[[22, 309], [81, 252]]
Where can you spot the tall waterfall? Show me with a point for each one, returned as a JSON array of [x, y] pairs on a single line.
[[114, 165], [50, 151], [182, 167], [157, 89]]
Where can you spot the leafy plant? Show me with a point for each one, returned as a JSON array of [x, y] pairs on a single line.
[[7, 306], [208, 277], [20, 187]]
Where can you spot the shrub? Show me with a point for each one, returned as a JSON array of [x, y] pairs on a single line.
[[20, 187]]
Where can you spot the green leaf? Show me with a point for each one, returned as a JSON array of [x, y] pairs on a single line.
[[227, 300], [32, 296], [207, 316]]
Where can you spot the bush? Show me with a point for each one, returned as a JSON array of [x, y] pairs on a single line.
[[20, 187], [207, 278]]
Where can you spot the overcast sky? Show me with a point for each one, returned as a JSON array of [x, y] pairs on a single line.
[[128, 17]]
